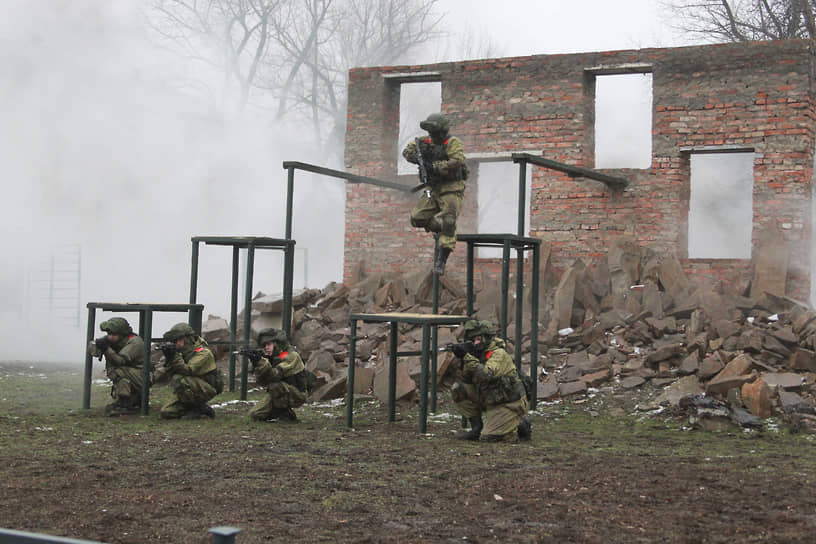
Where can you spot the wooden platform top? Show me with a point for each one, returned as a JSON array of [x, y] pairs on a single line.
[[402, 317]]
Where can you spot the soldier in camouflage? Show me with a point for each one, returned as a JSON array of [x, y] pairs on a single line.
[[491, 395], [283, 374], [192, 373], [124, 354], [441, 202]]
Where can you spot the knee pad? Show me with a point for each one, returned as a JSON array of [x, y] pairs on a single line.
[[448, 224]]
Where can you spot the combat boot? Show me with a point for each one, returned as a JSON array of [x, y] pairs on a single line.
[[207, 410], [525, 430], [442, 258], [192, 413], [288, 415], [475, 431], [123, 407]]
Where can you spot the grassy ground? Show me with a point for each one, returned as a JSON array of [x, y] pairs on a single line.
[[583, 477]]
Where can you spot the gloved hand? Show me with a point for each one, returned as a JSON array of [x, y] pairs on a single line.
[[169, 351], [101, 344], [431, 169], [459, 350], [254, 355]]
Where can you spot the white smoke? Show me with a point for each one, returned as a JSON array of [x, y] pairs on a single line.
[[100, 147]]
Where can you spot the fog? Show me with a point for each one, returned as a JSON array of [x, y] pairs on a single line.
[[101, 148]]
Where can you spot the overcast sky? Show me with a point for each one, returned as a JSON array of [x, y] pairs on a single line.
[[531, 27]]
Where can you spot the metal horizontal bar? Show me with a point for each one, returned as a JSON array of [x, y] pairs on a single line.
[[713, 149], [574, 171], [140, 306], [421, 319], [7, 536], [409, 353], [351, 178], [515, 240], [258, 242]]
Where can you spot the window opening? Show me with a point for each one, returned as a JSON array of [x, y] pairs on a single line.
[[417, 101], [623, 120], [497, 192]]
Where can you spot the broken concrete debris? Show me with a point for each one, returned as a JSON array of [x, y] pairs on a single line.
[[667, 339]]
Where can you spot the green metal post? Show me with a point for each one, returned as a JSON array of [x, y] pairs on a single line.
[[350, 378], [423, 381], [434, 336], [86, 384], [534, 325], [288, 278], [250, 264], [194, 273], [233, 316], [290, 190], [519, 302], [470, 255], [147, 322], [392, 371], [504, 286]]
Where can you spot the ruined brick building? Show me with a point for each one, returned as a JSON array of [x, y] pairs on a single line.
[[753, 98]]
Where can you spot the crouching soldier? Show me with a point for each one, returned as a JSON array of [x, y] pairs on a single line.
[[283, 374], [124, 354], [190, 366], [491, 395]]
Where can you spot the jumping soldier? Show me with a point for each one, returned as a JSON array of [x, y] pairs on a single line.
[[283, 374], [124, 355], [490, 386], [441, 201], [190, 365]]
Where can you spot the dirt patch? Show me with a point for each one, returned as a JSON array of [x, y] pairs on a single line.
[[583, 478]]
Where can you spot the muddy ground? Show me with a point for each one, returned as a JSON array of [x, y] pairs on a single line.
[[587, 475]]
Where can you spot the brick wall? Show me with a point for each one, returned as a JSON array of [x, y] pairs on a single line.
[[755, 95]]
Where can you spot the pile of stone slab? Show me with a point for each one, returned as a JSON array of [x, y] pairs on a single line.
[[636, 321]]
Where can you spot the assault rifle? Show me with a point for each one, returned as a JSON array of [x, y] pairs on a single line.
[[459, 350], [169, 349], [423, 170], [253, 354], [102, 344]]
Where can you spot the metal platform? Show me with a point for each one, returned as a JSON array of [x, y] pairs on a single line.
[[250, 244], [428, 321], [145, 330]]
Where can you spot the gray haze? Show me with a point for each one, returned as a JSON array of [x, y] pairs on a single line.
[[99, 149]]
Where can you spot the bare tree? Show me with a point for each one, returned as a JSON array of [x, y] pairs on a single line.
[[229, 36], [294, 55], [744, 20]]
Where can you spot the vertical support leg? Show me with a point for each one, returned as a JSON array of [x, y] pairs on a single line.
[[434, 336], [86, 383], [194, 273], [195, 319], [250, 264], [142, 326], [392, 371], [423, 381], [534, 324], [233, 317], [147, 321], [470, 254], [434, 362], [505, 280], [351, 365], [519, 303], [290, 190], [288, 278]]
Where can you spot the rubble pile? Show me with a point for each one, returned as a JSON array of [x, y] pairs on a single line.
[[633, 323], [636, 322]]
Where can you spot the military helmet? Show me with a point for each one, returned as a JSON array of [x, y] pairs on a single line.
[[116, 325], [179, 330], [436, 122], [475, 328], [271, 335]]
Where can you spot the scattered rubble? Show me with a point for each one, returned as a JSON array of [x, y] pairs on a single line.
[[634, 324]]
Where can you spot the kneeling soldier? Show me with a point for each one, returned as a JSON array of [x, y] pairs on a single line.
[[193, 375], [124, 354], [283, 373], [490, 386]]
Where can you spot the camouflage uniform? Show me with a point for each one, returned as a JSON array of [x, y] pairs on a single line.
[[193, 376], [444, 157], [123, 366], [284, 376], [491, 386]]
